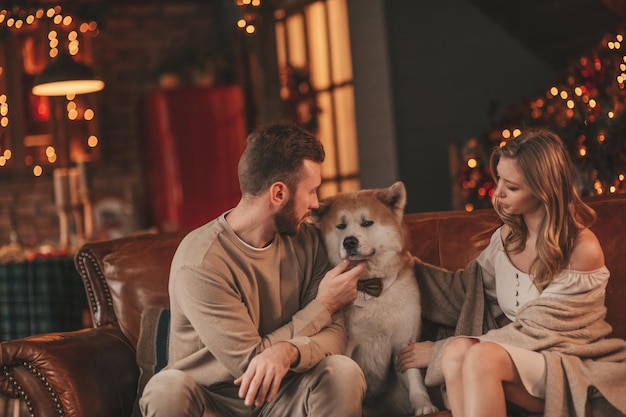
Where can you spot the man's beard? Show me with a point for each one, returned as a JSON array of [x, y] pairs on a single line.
[[286, 221]]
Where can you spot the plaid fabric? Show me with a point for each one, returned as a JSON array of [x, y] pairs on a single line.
[[40, 296]]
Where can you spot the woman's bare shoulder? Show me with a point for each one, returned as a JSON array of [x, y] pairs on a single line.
[[587, 254]]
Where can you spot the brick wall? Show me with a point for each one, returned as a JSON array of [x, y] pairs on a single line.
[[135, 44]]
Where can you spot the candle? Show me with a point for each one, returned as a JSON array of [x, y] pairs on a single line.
[[61, 187]]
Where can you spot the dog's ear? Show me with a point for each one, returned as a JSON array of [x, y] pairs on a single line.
[[318, 213], [394, 197]]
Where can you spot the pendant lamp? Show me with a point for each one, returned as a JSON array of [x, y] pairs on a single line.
[[64, 76]]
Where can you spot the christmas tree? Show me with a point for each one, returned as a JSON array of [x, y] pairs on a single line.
[[585, 107]]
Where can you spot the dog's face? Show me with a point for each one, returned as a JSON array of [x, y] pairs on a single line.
[[364, 225]]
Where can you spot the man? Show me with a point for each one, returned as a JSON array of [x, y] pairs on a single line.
[[256, 321]]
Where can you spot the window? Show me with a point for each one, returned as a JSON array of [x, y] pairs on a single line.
[[313, 52]]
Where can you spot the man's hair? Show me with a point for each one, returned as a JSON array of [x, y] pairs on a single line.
[[276, 153]]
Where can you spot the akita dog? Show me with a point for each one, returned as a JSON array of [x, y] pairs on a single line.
[[368, 226]]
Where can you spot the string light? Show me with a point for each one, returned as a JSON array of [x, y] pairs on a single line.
[[586, 108], [59, 22], [249, 11]]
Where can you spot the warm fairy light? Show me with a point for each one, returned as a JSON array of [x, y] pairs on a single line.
[[50, 151], [516, 132], [67, 20], [570, 104], [7, 154], [88, 114], [619, 37], [472, 163], [502, 144], [506, 133], [250, 29], [70, 96], [57, 19], [611, 115], [50, 12], [578, 91], [4, 122], [72, 114], [582, 151], [601, 137], [241, 23], [592, 103], [71, 106], [554, 91], [37, 170], [92, 141], [564, 94], [620, 177], [469, 207], [612, 189], [3, 161]]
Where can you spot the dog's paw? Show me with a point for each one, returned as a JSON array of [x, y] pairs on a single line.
[[425, 409]]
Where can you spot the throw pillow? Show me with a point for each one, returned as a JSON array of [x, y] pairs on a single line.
[[152, 347]]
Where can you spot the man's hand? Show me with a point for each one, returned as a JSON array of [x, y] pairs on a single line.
[[338, 287], [260, 383]]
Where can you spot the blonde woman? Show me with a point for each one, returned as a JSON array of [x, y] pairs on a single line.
[[544, 271]]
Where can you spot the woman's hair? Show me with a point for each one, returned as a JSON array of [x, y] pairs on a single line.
[[276, 153], [550, 174]]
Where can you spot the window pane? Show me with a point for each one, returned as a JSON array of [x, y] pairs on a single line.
[[328, 189], [351, 184], [296, 42], [346, 131], [318, 44], [281, 56], [327, 136], [340, 41]]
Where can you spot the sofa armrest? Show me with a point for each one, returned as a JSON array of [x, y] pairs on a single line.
[[89, 372]]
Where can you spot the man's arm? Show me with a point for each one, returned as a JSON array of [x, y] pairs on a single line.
[[261, 380]]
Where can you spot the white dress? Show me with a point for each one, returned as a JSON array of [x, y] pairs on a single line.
[[512, 288]]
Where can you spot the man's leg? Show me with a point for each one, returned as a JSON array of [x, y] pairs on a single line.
[[333, 388], [173, 393]]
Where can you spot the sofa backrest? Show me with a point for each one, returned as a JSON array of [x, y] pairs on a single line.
[[451, 239], [123, 277]]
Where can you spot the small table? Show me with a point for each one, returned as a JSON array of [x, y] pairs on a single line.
[[40, 296]]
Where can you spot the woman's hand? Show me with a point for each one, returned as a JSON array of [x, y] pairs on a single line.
[[414, 355]]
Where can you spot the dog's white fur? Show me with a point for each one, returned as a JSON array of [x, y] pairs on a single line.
[[368, 226]]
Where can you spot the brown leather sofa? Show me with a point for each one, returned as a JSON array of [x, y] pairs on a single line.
[[93, 372]]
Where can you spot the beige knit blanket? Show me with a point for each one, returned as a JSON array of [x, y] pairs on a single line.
[[572, 336]]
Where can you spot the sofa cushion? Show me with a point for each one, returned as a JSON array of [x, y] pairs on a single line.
[[152, 347]]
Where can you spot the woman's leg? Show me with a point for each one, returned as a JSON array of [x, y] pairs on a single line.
[[489, 379], [452, 367]]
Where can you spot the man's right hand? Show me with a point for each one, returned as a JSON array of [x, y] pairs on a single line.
[[338, 287]]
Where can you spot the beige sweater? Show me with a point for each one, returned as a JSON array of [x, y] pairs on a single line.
[[230, 301], [571, 336]]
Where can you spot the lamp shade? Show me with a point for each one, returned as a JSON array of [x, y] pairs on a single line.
[[65, 76]]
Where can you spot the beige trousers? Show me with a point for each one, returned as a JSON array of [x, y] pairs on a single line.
[[333, 388]]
